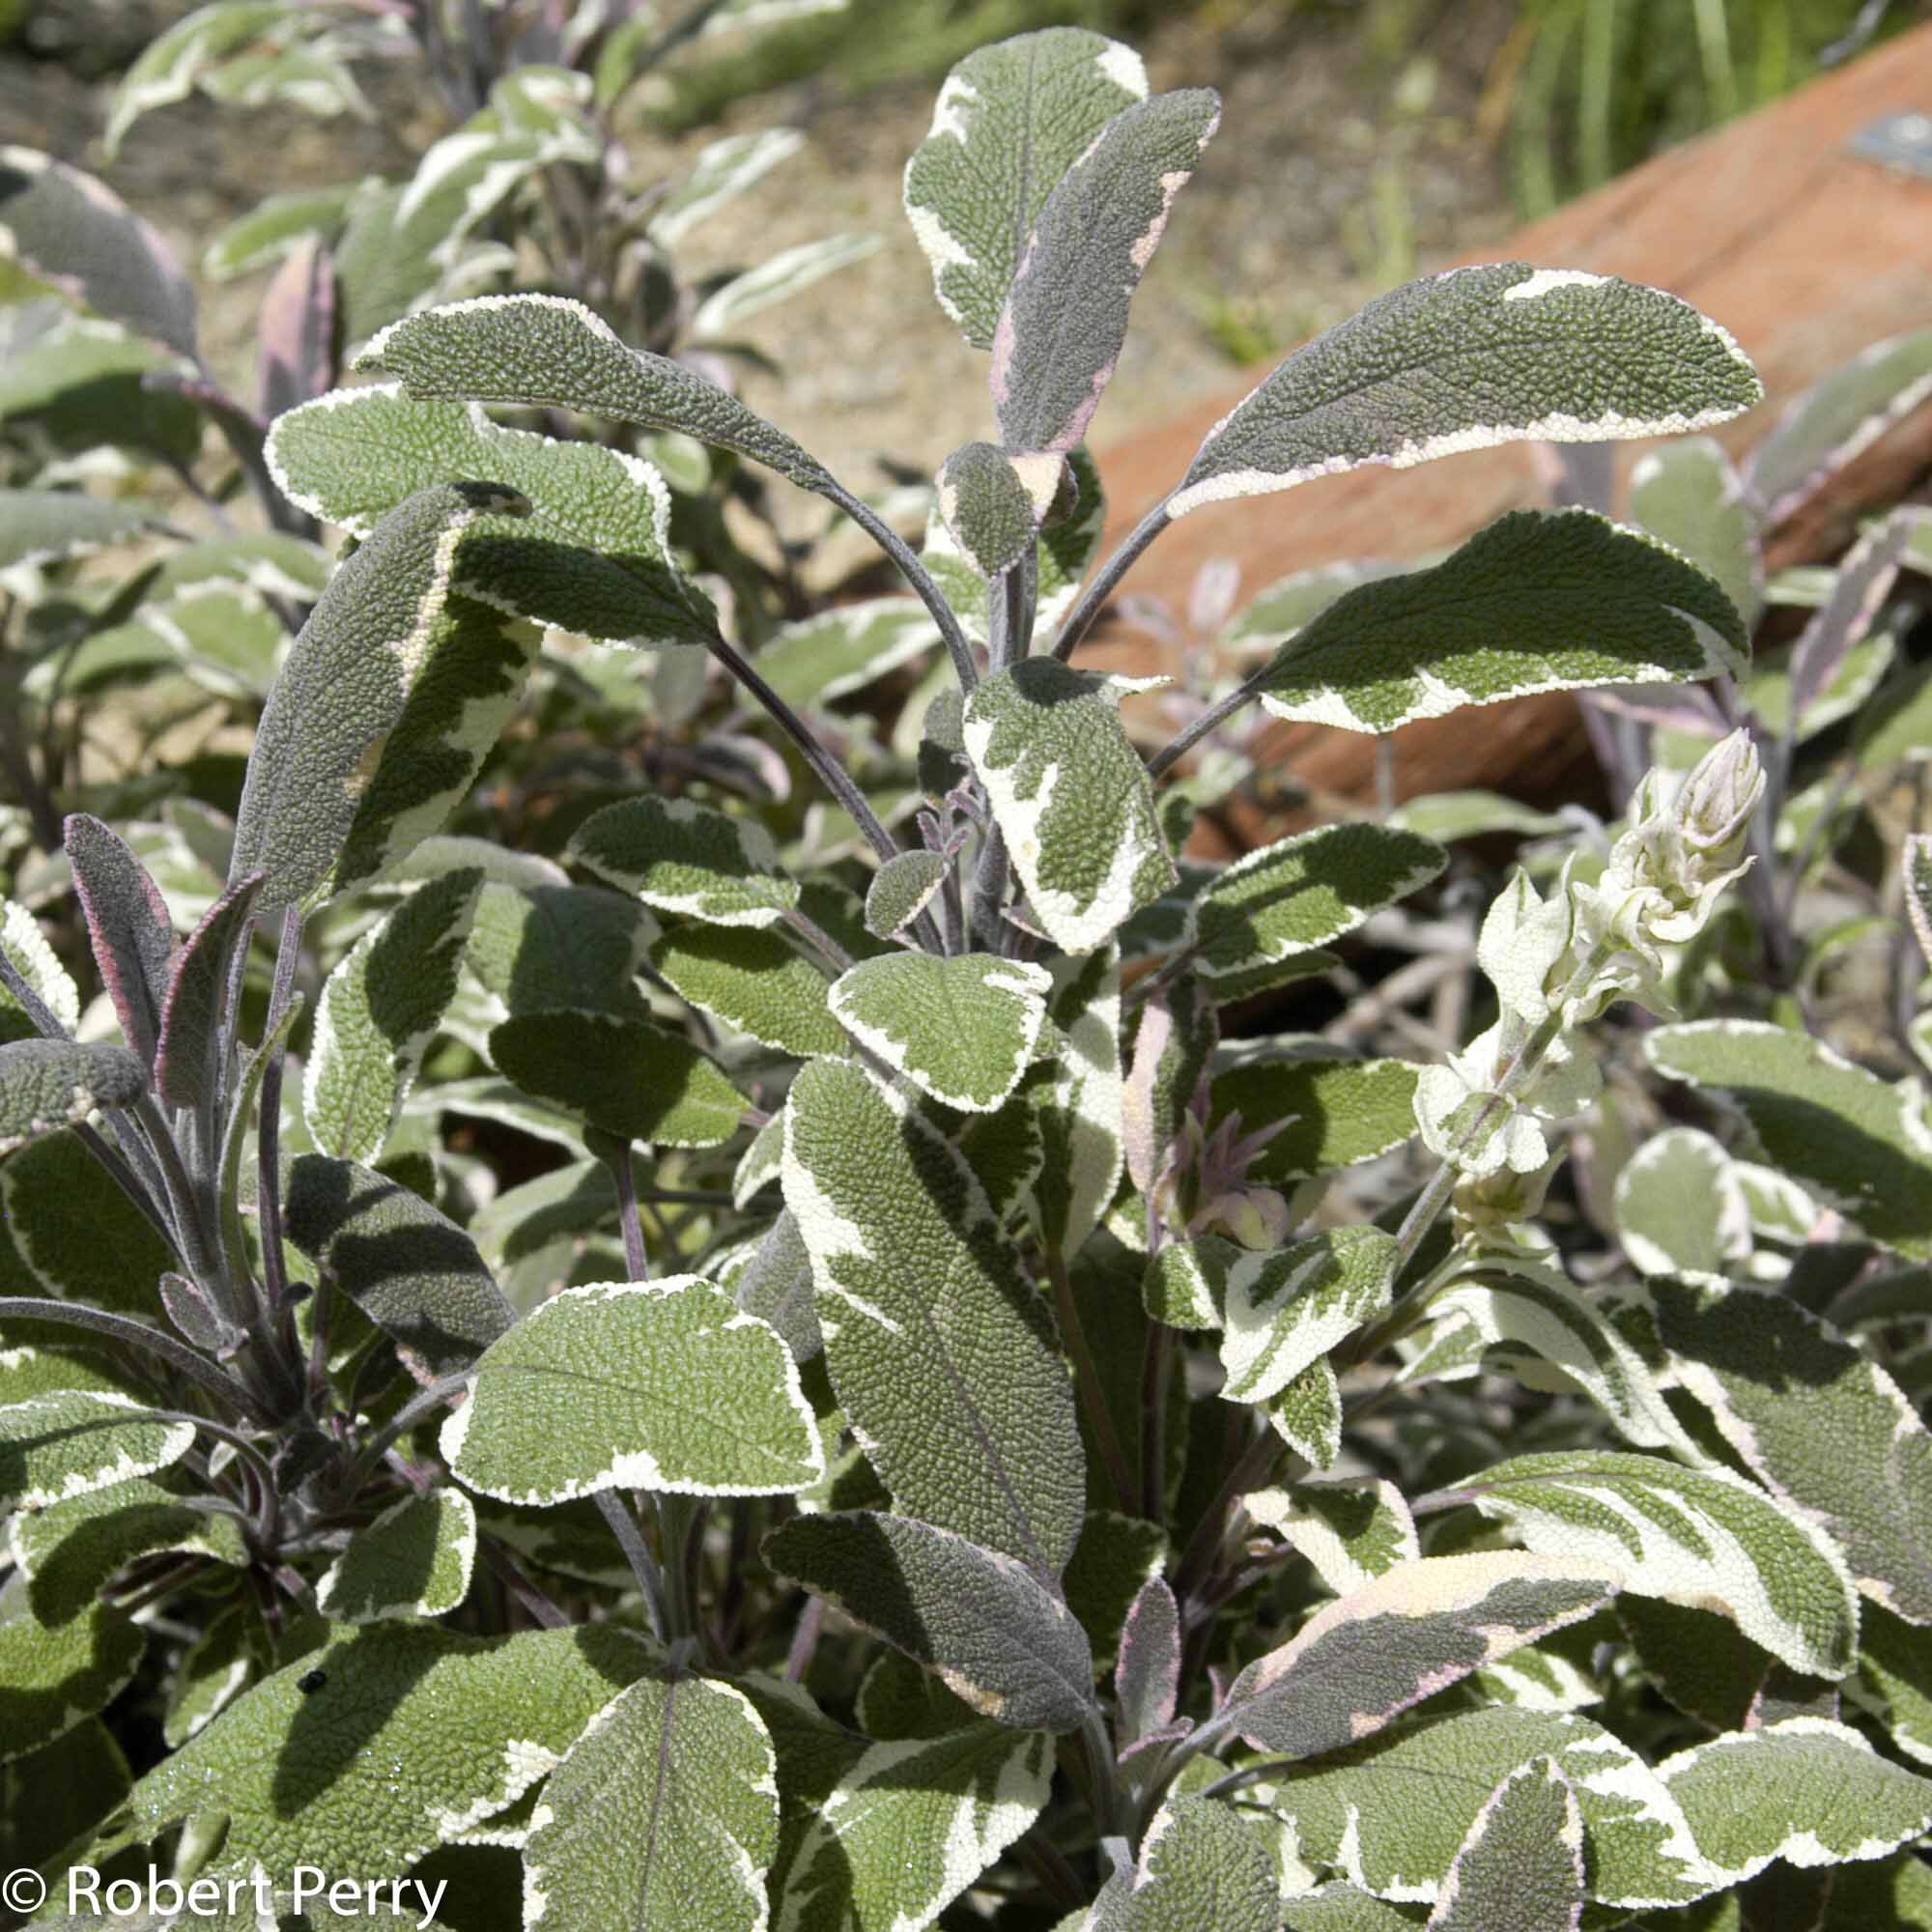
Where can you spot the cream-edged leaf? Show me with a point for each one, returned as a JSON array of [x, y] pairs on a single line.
[[1521, 1867], [414, 1560], [70, 1441], [689, 859]]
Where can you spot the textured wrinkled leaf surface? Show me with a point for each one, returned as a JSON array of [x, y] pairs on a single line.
[[187, 1055], [1080, 1113], [962, 1029], [70, 1441], [982, 1622], [28, 952], [1703, 1537], [1464, 360], [1071, 796], [647, 1385], [688, 859], [414, 1560], [1010, 120], [935, 1336], [1283, 1309], [1538, 601], [756, 982], [1335, 1112], [128, 928], [1521, 1868], [993, 502], [664, 1815], [55, 1675], [1203, 1869], [1415, 1628], [902, 889], [1349, 1532], [46, 1084]]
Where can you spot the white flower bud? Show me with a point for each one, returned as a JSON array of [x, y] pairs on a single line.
[[1713, 809]]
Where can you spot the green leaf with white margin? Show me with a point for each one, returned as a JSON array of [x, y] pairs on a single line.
[[1336, 1112], [684, 857], [1702, 1537], [70, 1441], [1538, 1319], [70, 1550], [820, 658], [718, 171], [275, 227], [962, 1029], [1680, 1205], [1083, 1135], [1009, 121], [592, 555], [1357, 1809], [1844, 1133], [1689, 495], [626, 1076], [994, 502], [1820, 1423], [53, 1676], [40, 525], [911, 1825], [1342, 1908], [365, 1756], [1285, 1310], [644, 1386], [776, 279], [1806, 1790], [1505, 352], [934, 1335], [1307, 1415], [30, 956], [1417, 1627], [754, 981], [1537, 601], [48, 1084], [544, 351], [168, 66], [1201, 1864], [988, 1627], [1521, 1867], [902, 889], [1447, 816], [1303, 892], [384, 632], [380, 1009], [1837, 417], [410, 1269], [1349, 1533], [1071, 794], [62, 224], [1060, 334], [662, 1816], [414, 1560]]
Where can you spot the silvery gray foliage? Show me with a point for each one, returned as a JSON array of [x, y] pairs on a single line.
[[789, 1361]]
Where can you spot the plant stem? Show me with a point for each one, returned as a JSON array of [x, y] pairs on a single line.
[[135, 1335], [1210, 719], [636, 1552], [820, 941], [268, 1127], [635, 1263], [1011, 609], [1103, 1770], [1094, 599], [916, 574]]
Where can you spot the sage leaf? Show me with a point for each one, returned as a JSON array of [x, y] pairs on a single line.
[[935, 1336], [962, 1029], [902, 889], [1688, 494], [1070, 795], [70, 1441], [1419, 1626], [326, 772], [994, 502], [379, 1008], [1080, 1113], [1535, 602], [662, 1815], [1334, 1113], [28, 952], [188, 1071], [1285, 1310], [1349, 1533], [1505, 352], [53, 1676], [626, 1076], [414, 1560], [754, 981], [644, 1386], [1842, 1132], [591, 556], [911, 1825], [719, 171], [1010, 120], [818, 660], [1681, 1206], [1521, 1867], [410, 1269], [1065, 316], [549, 353], [982, 1622], [1196, 1851], [44, 526], [128, 928], [687, 859], [47, 1084], [1147, 1676], [1703, 1537], [539, 945]]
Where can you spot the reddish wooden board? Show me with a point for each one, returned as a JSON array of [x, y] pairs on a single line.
[[1804, 250]]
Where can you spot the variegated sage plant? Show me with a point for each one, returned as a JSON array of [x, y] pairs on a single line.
[[915, 1427]]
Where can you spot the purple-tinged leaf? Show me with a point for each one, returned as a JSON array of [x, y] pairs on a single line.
[[1833, 420], [74, 232], [296, 329], [993, 1632], [1863, 582], [1521, 1867], [1065, 316], [1147, 1678], [994, 503], [47, 1084], [126, 925], [195, 1316], [186, 1071], [1417, 1628]]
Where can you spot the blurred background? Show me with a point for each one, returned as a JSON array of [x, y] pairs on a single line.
[[1363, 141]]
